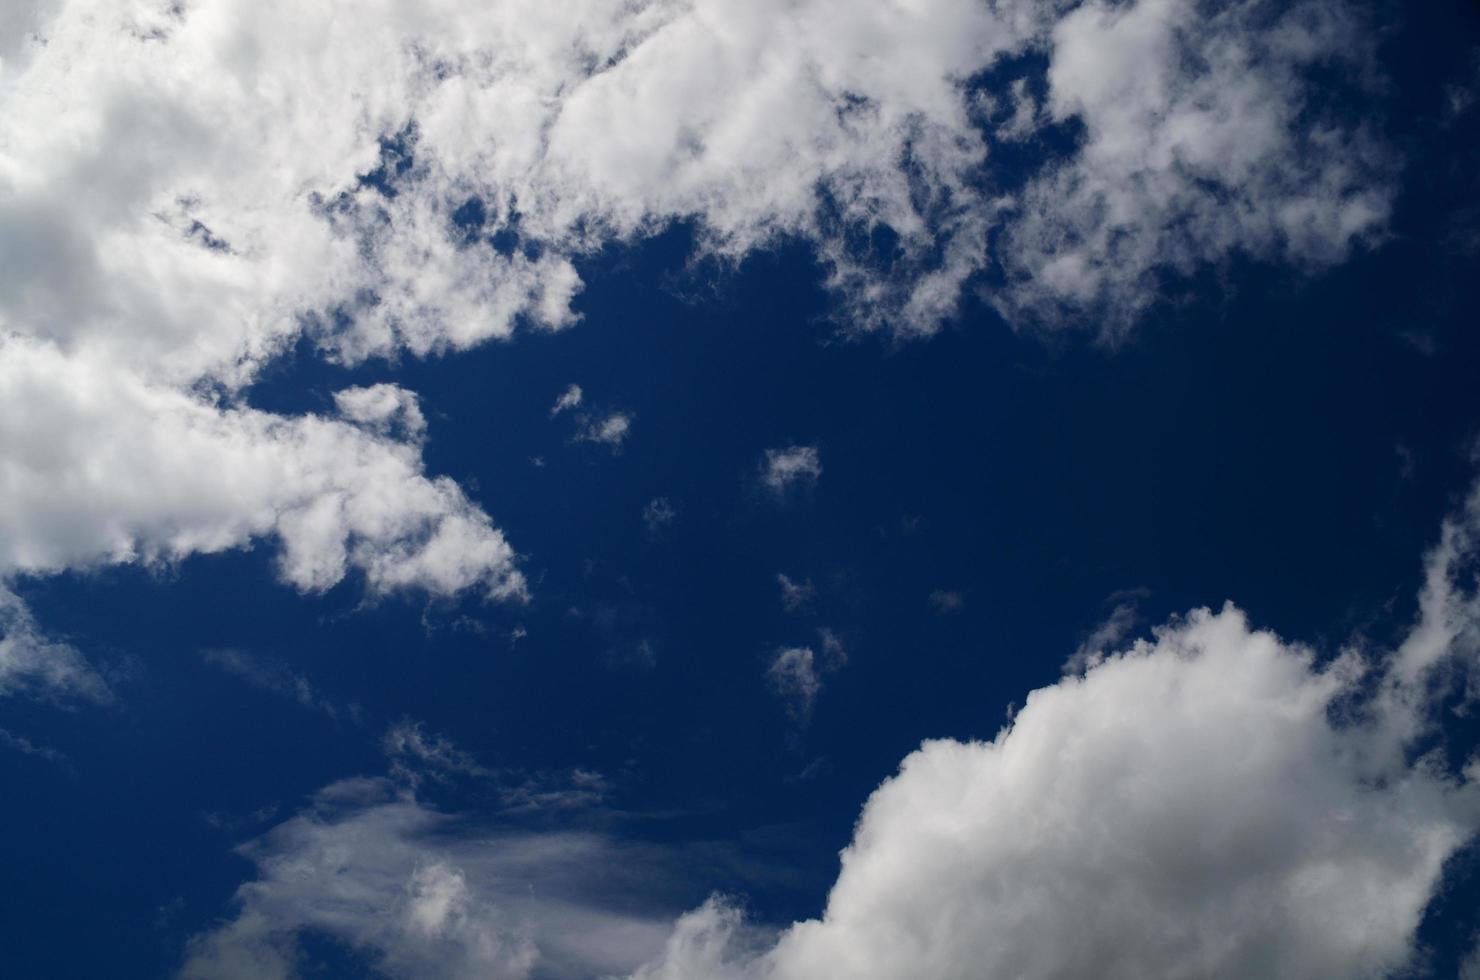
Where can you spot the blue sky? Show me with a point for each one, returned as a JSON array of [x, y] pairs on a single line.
[[516, 493]]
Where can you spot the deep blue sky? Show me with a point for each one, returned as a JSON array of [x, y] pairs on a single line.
[[1286, 442]]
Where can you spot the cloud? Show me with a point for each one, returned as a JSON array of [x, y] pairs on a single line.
[[417, 755], [610, 431], [658, 514], [793, 676], [834, 653], [104, 467], [1239, 806], [414, 893], [569, 398], [795, 595], [1104, 638], [386, 409], [419, 758], [31, 663], [277, 678], [195, 186], [793, 466], [188, 191], [795, 673], [944, 601], [1203, 140], [1216, 792], [23, 745]]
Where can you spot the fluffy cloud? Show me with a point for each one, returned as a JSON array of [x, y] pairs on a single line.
[[188, 190], [1201, 140], [103, 467], [190, 187], [1215, 792], [1238, 806]]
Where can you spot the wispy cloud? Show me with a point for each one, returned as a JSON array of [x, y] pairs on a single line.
[[658, 514], [277, 678], [945, 601], [33, 664], [795, 595]]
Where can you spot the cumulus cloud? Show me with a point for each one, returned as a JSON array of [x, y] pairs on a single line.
[[387, 409], [1238, 807], [189, 190], [1202, 140], [104, 467], [190, 187], [790, 467]]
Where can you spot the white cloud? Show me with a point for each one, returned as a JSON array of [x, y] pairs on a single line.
[[181, 184], [1104, 639], [1238, 807], [32, 663], [189, 190], [386, 409], [793, 466], [569, 398], [610, 430], [406, 888], [103, 467], [1214, 792], [1202, 141]]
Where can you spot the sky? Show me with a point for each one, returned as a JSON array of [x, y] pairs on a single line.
[[692, 490]]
